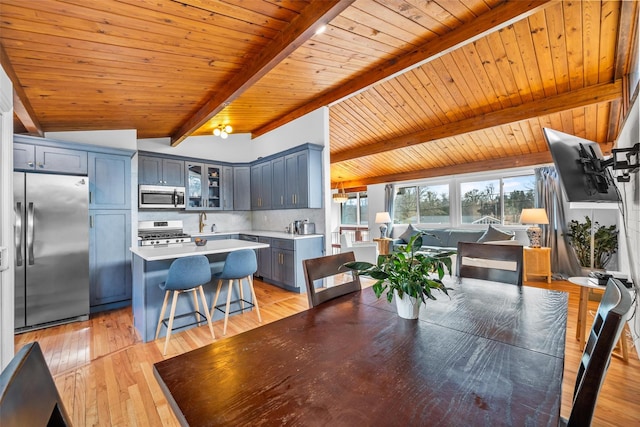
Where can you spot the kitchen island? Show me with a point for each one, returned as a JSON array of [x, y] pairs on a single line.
[[150, 267]]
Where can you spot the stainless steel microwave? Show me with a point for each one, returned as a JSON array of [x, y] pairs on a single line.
[[161, 197]]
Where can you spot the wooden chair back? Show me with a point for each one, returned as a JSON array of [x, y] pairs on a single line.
[[607, 327], [326, 278], [490, 252], [28, 394]]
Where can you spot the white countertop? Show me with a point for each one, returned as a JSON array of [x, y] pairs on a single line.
[[158, 253], [261, 233]]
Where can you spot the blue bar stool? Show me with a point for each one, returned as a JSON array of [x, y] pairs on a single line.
[[238, 266], [185, 275]]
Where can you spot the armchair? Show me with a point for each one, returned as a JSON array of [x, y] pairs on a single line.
[[362, 251]]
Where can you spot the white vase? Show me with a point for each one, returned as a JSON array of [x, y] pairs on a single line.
[[408, 307]]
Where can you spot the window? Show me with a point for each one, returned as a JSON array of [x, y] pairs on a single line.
[[425, 204], [518, 193], [480, 202], [493, 200], [496, 201], [355, 210]]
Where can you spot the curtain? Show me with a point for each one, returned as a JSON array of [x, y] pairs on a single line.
[[389, 197], [564, 262]]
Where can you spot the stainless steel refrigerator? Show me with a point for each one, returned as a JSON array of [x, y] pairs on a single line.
[[52, 249]]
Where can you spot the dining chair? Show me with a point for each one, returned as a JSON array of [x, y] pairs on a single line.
[[607, 327], [238, 266], [28, 394], [332, 279], [498, 263], [186, 274]]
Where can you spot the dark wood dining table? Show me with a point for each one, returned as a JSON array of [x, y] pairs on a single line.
[[490, 355]]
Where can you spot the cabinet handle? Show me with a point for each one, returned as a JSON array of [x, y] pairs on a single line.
[[282, 199], [90, 221], [90, 196], [40, 165], [30, 164]]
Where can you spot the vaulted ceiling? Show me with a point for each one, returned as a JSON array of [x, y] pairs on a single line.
[[414, 88]]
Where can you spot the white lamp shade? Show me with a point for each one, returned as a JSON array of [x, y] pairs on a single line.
[[534, 216], [383, 218]]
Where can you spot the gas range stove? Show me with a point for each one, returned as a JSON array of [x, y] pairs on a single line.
[[165, 233]]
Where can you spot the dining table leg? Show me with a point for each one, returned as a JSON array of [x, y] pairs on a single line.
[[582, 315]]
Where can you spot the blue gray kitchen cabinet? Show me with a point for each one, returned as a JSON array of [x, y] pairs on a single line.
[[109, 181], [37, 158], [227, 188], [109, 259], [278, 199], [242, 188], [203, 186], [160, 171], [264, 259], [283, 263], [303, 179], [261, 186]]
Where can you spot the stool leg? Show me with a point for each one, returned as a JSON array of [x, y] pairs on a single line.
[[215, 300], [226, 313], [206, 312], [241, 294], [196, 305], [164, 307], [255, 300], [174, 302]]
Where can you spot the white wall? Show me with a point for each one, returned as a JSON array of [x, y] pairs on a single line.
[[123, 139], [239, 148], [7, 297], [629, 136]]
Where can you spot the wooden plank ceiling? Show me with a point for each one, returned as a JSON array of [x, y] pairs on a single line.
[[414, 88]]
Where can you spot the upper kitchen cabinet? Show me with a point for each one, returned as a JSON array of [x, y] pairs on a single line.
[[261, 186], [160, 171], [204, 184], [27, 157], [278, 199], [109, 181], [226, 187], [242, 188]]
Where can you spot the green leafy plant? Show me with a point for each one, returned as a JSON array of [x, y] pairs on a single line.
[[407, 271], [605, 242]]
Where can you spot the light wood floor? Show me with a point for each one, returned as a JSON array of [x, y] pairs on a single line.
[[104, 372]]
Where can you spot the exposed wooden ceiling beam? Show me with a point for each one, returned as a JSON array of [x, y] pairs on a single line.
[[500, 17], [482, 166], [578, 98], [21, 105], [627, 36], [302, 28]]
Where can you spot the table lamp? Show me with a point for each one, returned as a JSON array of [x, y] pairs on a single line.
[[383, 218], [535, 217]]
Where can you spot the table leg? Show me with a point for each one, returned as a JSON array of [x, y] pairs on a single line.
[[582, 314]]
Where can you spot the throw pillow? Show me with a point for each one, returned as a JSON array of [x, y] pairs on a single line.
[[409, 233], [493, 234]]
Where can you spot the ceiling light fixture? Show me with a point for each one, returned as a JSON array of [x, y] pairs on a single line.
[[222, 131], [340, 196]]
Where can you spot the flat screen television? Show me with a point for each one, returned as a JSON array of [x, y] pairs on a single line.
[[579, 165]]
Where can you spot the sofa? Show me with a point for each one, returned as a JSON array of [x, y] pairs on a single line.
[[448, 238]]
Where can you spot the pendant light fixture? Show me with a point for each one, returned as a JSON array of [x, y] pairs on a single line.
[[222, 131], [340, 196]]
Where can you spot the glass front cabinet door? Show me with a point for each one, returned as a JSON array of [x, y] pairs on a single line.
[[194, 186], [203, 186], [212, 190]]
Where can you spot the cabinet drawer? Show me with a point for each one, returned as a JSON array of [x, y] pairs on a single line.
[[282, 244]]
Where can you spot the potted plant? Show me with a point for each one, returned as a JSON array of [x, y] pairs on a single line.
[[605, 242], [407, 274]]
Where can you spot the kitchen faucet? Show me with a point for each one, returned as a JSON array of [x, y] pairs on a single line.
[[201, 217]]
